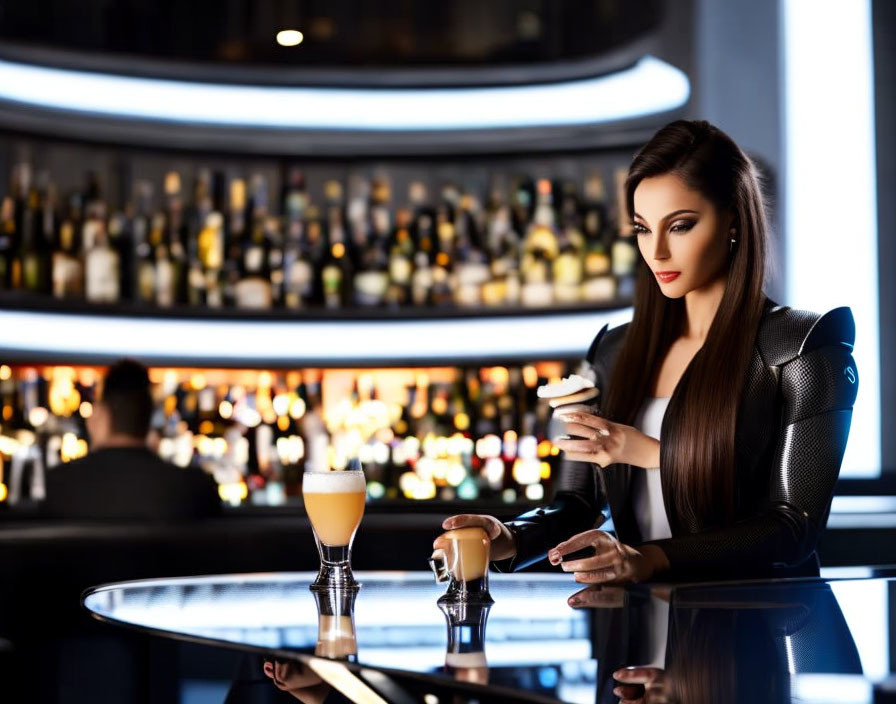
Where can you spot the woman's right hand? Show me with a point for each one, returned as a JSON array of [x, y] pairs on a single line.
[[501, 539]]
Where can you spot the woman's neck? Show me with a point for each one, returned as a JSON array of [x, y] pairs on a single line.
[[700, 307]]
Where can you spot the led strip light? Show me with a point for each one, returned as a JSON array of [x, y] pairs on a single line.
[[186, 341], [650, 86]]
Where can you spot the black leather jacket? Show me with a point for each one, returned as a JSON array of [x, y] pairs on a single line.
[[791, 433]]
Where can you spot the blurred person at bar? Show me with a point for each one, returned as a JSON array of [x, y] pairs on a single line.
[[723, 417], [121, 478]]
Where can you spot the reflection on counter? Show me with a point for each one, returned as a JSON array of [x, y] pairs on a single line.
[[336, 637], [718, 643], [461, 559], [442, 432], [775, 642]]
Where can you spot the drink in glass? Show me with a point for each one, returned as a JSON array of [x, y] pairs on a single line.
[[334, 501], [461, 558]]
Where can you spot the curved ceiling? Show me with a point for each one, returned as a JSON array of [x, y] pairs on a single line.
[[337, 33]]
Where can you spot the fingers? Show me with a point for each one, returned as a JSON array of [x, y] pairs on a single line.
[[588, 432], [578, 397], [562, 411], [637, 675], [576, 542], [586, 457], [578, 445], [598, 597], [604, 560], [491, 524], [589, 420], [604, 576]]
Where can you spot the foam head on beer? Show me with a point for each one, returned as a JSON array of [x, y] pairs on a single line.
[[335, 504]]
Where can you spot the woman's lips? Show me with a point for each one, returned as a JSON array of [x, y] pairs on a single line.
[[667, 276]]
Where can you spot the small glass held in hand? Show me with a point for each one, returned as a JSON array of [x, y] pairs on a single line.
[[461, 558], [334, 501]]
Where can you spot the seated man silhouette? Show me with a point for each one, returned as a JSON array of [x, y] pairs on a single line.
[[121, 478]]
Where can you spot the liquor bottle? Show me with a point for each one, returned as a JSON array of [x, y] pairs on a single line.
[[94, 216], [68, 271], [624, 251], [599, 284], [196, 283], [274, 245], [165, 268], [298, 275], [371, 280], [336, 272], [298, 281], [254, 287], [567, 272], [471, 274], [235, 239], [443, 284], [101, 267], [206, 278], [142, 226], [121, 240], [568, 269], [177, 236], [401, 264], [468, 222], [34, 245], [8, 242], [540, 248], [421, 280]]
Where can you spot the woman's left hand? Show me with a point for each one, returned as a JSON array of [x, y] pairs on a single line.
[[613, 562], [604, 442]]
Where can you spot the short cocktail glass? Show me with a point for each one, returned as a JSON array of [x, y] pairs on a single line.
[[461, 558], [334, 501]]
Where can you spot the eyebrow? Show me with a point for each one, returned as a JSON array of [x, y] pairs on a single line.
[[673, 213]]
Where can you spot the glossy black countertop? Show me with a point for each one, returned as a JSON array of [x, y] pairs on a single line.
[[799, 640]]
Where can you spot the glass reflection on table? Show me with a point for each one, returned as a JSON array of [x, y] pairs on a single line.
[[772, 642]]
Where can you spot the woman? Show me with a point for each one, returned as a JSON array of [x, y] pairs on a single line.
[[752, 401]]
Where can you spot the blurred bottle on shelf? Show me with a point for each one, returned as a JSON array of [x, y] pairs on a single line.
[[451, 433], [534, 243]]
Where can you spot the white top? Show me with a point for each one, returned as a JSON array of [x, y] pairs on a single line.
[[647, 490]]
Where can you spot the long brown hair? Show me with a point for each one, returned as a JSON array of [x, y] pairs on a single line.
[[697, 449]]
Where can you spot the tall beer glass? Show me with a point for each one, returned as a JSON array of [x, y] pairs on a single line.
[[334, 501]]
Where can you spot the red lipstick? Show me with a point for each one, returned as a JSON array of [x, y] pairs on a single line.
[[667, 276]]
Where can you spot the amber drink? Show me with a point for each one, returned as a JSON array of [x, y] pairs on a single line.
[[461, 558], [334, 501]]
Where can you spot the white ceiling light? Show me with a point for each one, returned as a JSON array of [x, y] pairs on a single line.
[[650, 86], [289, 37]]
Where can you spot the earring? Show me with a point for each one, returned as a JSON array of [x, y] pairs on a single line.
[[731, 245]]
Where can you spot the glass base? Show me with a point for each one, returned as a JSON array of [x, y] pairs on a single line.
[[474, 591], [335, 569]]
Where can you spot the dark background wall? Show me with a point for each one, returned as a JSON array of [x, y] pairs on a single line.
[[737, 87]]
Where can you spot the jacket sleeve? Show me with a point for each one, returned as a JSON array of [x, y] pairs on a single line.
[[576, 506], [818, 388]]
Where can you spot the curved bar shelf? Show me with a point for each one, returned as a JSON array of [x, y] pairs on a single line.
[[609, 101], [87, 335]]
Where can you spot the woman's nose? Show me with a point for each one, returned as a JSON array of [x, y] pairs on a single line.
[[660, 248]]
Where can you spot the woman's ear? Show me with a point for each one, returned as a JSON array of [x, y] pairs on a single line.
[[733, 226]]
